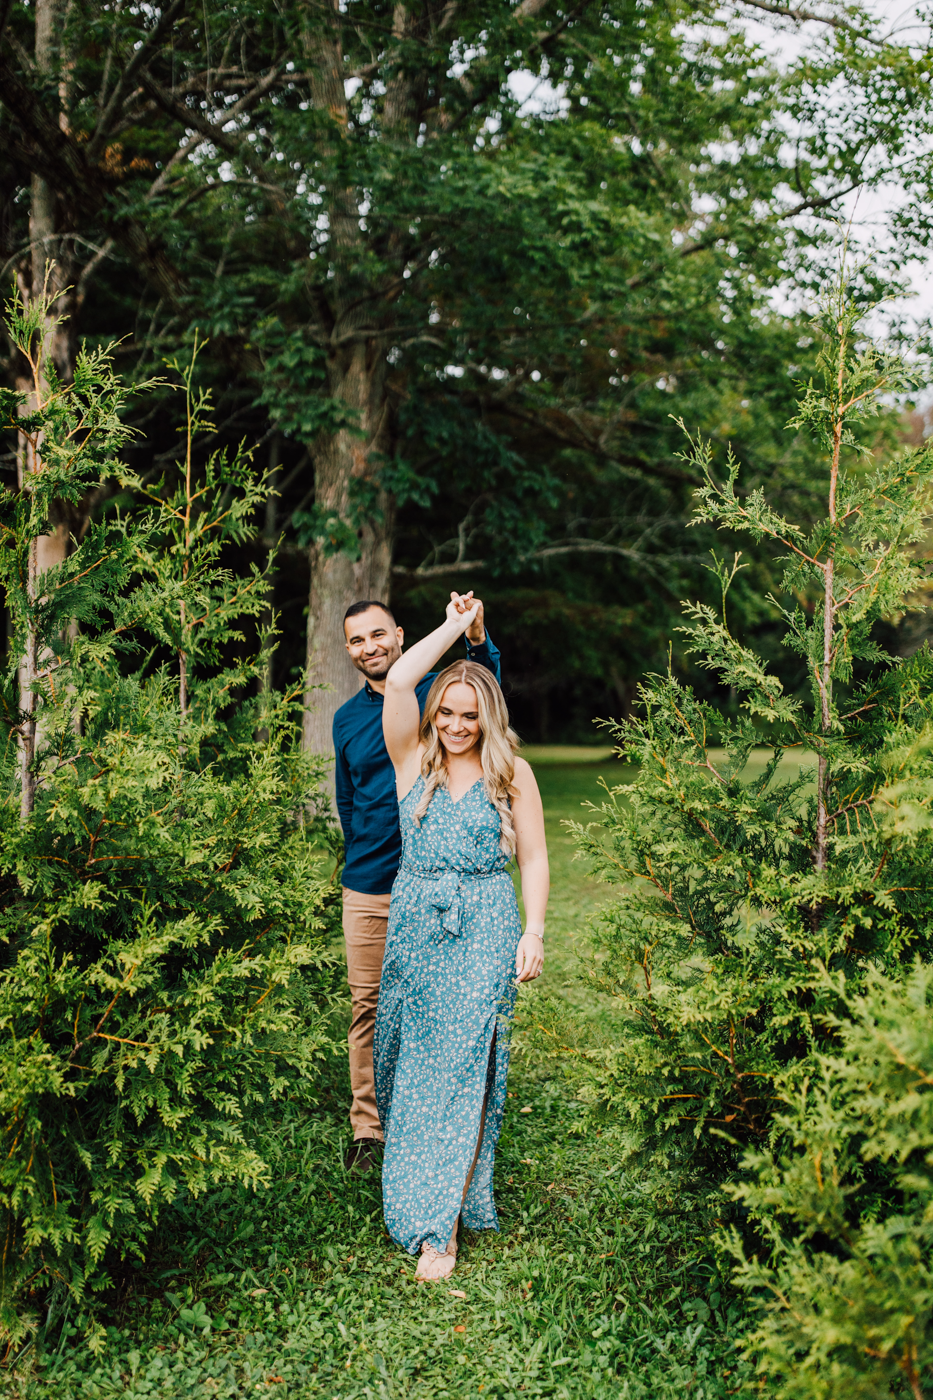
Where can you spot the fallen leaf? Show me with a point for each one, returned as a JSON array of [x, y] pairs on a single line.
[[255, 1292], [271, 1380], [460, 1328], [456, 1292]]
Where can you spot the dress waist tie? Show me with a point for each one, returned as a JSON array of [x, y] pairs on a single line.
[[446, 894]]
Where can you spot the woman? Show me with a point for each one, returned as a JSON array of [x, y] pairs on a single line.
[[467, 803]]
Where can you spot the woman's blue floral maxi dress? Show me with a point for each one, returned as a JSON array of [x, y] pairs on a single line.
[[445, 1008]]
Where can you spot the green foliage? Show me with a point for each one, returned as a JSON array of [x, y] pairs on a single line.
[[599, 1286], [541, 231], [734, 891], [70, 435], [164, 908], [845, 1291]]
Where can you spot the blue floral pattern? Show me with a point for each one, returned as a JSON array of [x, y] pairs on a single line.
[[445, 1010]]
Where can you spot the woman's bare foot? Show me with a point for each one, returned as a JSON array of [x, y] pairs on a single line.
[[434, 1266]]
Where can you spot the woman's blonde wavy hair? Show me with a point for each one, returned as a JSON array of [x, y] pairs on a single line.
[[498, 745]]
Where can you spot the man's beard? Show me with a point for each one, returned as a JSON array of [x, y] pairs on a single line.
[[379, 667]]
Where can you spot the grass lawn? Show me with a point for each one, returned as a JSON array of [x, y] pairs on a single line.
[[597, 1286]]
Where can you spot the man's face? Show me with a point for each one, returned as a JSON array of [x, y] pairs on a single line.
[[374, 643]]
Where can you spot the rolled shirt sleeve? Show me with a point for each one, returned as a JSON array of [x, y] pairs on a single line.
[[486, 654]]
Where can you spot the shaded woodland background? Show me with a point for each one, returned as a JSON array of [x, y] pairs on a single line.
[[460, 267]]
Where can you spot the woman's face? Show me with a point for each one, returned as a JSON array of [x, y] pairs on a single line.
[[457, 719]]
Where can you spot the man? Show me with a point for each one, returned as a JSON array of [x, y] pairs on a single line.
[[368, 809]]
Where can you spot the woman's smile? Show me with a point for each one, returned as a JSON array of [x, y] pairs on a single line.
[[457, 718]]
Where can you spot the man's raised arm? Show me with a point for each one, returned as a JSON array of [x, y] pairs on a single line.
[[480, 646]]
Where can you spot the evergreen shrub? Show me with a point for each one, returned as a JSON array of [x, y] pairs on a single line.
[[771, 939], [734, 890], [165, 906], [845, 1297]]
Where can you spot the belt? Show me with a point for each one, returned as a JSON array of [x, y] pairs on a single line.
[[447, 895]]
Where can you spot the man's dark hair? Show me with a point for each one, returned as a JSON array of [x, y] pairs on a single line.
[[364, 606]]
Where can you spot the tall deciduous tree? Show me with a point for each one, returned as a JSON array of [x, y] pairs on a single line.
[[357, 205]]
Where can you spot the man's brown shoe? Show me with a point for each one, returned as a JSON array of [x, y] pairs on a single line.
[[364, 1155]]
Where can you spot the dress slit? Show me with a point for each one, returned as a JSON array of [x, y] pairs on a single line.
[[490, 1081]]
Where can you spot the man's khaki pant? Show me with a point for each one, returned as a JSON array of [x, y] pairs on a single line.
[[365, 917]]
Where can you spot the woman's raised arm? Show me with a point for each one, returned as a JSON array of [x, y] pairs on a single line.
[[401, 716]]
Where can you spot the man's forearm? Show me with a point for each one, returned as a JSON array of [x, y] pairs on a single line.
[[343, 793], [485, 653]]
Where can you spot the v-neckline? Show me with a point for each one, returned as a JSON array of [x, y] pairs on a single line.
[[455, 801]]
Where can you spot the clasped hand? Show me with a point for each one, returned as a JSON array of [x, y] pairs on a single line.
[[467, 611]]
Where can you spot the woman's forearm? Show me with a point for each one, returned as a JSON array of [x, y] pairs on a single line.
[[418, 660], [536, 885]]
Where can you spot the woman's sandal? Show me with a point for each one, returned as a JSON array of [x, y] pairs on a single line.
[[432, 1266]]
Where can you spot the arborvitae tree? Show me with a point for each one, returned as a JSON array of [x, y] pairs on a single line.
[[845, 1287], [163, 906], [736, 893]]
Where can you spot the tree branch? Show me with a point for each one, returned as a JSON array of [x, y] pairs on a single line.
[[577, 436], [128, 76], [189, 117], [802, 16], [476, 96], [720, 234], [43, 148], [551, 551]]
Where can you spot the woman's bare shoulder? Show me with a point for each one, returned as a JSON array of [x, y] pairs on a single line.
[[524, 775]]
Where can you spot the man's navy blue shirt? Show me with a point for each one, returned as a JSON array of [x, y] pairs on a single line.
[[365, 779]]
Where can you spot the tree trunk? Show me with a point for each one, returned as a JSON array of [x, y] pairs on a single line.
[[344, 465], [829, 623], [346, 461], [49, 269]]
